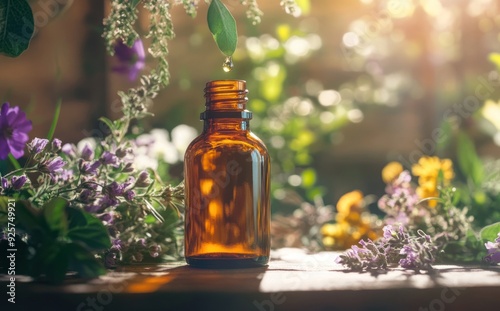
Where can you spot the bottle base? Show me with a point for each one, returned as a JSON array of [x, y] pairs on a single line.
[[227, 261]]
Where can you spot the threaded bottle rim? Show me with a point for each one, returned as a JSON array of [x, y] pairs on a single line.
[[226, 99]]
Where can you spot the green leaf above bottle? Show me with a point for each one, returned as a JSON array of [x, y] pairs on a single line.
[[223, 27], [16, 27]]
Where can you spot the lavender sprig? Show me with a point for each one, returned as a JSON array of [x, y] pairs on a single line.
[[397, 247]]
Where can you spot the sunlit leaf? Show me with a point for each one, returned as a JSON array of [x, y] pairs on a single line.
[[16, 27], [89, 230], [223, 27], [490, 233]]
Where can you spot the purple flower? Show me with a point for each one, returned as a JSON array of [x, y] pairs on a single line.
[[56, 145], [93, 208], [107, 217], [129, 195], [493, 249], [18, 181], [69, 150], [143, 179], [66, 175], [410, 259], [54, 166], [131, 60], [114, 189], [87, 153], [4, 184], [108, 201], [117, 244], [37, 145], [86, 196], [14, 128], [88, 168], [109, 158]]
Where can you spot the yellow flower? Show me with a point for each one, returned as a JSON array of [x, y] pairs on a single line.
[[391, 171], [428, 169], [328, 241], [350, 202], [352, 218], [335, 235]]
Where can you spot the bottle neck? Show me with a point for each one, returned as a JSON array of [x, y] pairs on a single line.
[[225, 106]]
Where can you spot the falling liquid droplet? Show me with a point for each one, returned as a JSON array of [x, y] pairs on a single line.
[[228, 64]]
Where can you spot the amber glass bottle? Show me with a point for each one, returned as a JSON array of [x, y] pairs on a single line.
[[227, 171]]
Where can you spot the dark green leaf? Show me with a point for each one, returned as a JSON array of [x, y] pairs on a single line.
[[135, 2], [27, 217], [89, 231], [53, 125], [51, 260], [16, 26], [57, 266], [223, 27], [55, 216], [490, 233], [468, 160], [83, 261], [76, 217]]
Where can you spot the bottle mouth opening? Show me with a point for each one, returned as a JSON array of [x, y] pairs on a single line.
[[226, 86]]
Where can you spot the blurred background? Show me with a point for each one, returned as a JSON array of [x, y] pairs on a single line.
[[336, 92]]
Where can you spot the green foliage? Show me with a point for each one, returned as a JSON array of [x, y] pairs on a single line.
[[16, 27], [63, 238], [223, 27], [468, 161], [490, 233]]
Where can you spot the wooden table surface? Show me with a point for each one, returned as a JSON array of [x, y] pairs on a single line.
[[292, 281]]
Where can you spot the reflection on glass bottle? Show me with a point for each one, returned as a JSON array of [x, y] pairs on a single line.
[[227, 171]]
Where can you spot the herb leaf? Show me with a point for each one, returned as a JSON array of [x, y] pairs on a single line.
[[88, 230], [490, 233], [223, 27], [54, 213], [16, 27]]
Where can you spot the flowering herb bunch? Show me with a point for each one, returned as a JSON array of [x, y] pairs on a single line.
[[425, 222], [90, 197]]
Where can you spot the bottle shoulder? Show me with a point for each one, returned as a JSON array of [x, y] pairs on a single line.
[[246, 141]]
